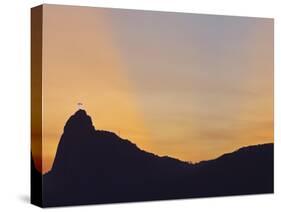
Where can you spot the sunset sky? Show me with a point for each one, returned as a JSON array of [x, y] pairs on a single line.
[[189, 86]]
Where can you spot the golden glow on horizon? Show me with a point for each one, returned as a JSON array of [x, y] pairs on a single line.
[[187, 86]]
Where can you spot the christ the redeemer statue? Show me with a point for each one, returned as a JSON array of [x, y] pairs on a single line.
[[80, 106]]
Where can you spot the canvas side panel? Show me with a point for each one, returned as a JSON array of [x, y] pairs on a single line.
[[36, 105]]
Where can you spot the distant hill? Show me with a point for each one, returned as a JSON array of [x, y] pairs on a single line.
[[93, 166]]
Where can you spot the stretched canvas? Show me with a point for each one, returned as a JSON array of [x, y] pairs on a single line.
[[131, 105]]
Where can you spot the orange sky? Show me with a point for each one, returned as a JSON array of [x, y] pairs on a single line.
[[183, 85]]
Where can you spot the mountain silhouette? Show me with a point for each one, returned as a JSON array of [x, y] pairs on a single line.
[[95, 166], [36, 184]]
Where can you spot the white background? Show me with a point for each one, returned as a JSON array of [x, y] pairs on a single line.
[[15, 103]]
